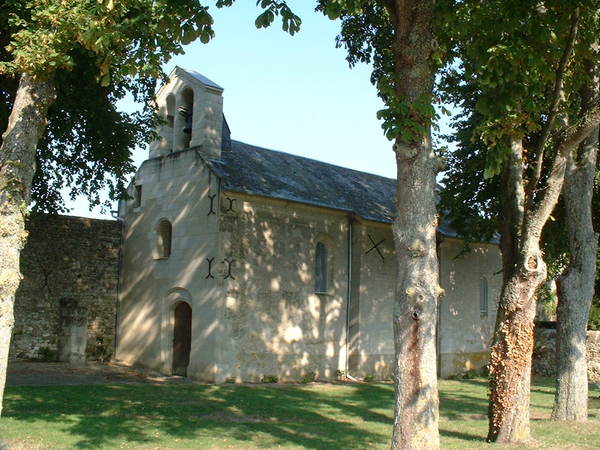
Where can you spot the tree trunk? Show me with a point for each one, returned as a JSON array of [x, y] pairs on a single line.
[[523, 273], [510, 362], [416, 408], [415, 308], [576, 287], [17, 166], [524, 214]]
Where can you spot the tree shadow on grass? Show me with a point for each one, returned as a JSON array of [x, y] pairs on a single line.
[[461, 435], [313, 416], [104, 415], [464, 399]]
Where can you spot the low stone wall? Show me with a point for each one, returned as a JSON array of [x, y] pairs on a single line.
[[70, 277], [544, 353]]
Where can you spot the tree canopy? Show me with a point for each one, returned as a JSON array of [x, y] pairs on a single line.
[[471, 195], [97, 52]]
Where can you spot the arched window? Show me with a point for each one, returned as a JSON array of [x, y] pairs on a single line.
[[137, 197], [186, 111], [183, 120], [164, 232], [483, 297], [170, 110], [321, 268]]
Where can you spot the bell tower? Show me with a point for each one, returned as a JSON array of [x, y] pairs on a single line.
[[191, 107]]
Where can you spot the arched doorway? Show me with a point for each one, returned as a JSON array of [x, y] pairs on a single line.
[[182, 338]]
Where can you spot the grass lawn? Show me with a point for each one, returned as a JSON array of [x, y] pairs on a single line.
[[307, 416]]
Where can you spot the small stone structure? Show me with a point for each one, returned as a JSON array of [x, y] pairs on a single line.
[[66, 304], [544, 353], [72, 331]]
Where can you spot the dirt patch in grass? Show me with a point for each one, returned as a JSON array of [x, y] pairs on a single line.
[[37, 373], [20, 444], [33, 373]]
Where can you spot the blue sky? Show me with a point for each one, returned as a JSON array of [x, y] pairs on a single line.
[[290, 93]]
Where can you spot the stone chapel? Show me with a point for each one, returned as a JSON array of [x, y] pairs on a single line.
[[240, 263]]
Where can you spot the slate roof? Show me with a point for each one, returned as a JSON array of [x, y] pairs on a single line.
[[255, 170]]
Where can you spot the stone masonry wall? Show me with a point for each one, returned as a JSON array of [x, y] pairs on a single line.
[[544, 353], [66, 261]]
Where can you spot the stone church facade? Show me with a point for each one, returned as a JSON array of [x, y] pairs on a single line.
[[242, 263]]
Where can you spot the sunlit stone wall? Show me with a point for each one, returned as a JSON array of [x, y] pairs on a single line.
[[274, 323], [70, 259], [178, 188]]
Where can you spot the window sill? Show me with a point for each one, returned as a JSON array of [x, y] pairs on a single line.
[[328, 294]]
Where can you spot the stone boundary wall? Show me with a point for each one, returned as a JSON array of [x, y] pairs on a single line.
[[544, 353], [70, 269]]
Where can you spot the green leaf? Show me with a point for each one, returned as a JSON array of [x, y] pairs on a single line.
[[105, 80]]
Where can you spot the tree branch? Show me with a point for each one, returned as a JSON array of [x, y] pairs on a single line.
[[570, 140], [390, 6], [556, 99], [575, 134], [512, 201]]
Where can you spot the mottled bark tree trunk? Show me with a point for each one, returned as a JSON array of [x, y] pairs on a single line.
[[524, 270], [510, 361], [17, 166], [576, 287], [417, 289]]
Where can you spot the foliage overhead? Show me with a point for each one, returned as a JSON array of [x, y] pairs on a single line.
[[130, 38], [504, 82], [367, 34], [98, 51], [290, 22], [88, 143], [511, 69]]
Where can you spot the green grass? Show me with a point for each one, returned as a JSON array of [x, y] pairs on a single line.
[[229, 416]]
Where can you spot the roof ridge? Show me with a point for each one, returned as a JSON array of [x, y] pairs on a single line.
[[198, 77]]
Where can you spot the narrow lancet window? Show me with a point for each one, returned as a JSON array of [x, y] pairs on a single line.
[[483, 298], [137, 199], [321, 268], [164, 233], [168, 132], [186, 110]]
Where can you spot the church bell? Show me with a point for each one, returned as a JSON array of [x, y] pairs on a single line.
[[187, 114]]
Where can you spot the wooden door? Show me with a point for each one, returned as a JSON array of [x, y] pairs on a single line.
[[182, 339]]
